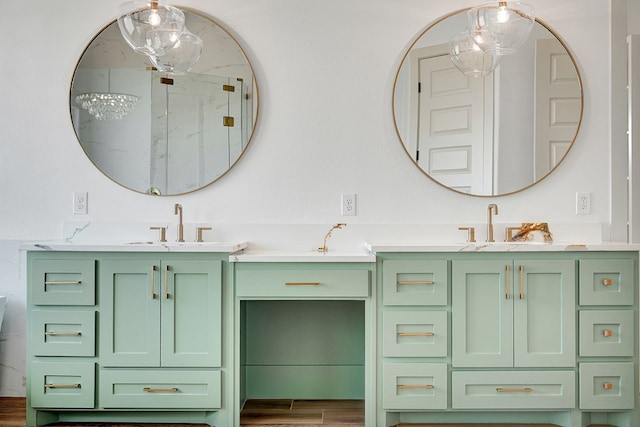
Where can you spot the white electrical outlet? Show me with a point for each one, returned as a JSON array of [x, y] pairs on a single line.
[[80, 205], [583, 203], [348, 207]]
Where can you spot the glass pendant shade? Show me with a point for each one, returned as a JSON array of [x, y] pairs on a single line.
[[501, 26], [150, 27], [181, 58], [107, 105], [467, 56]]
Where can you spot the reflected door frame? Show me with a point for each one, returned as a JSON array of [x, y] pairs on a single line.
[[458, 153]]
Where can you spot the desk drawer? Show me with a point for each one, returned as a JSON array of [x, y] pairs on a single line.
[[513, 390], [302, 283], [160, 389], [606, 282], [63, 282], [607, 386], [62, 385], [63, 333], [414, 386]]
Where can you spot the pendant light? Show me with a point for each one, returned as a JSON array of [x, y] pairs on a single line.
[[469, 58], [500, 26], [182, 57], [150, 27]]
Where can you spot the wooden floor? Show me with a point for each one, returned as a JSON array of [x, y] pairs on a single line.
[[281, 413]]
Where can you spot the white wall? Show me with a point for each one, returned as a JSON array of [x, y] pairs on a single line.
[[325, 71]]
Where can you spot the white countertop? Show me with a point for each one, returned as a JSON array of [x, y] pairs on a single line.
[[500, 247], [226, 247], [302, 256]]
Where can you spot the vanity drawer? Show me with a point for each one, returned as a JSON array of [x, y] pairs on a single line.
[[606, 282], [160, 388], [63, 282], [62, 385], [513, 390], [414, 386], [607, 333], [63, 333], [607, 386], [414, 282], [302, 283], [415, 334]]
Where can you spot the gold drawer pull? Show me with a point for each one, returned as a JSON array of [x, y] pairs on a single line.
[[415, 282], [415, 387], [62, 385], [607, 386], [607, 333], [153, 282], [161, 390], [166, 281], [607, 282], [302, 283], [415, 334], [507, 281], [63, 334], [522, 282], [62, 282], [514, 390]]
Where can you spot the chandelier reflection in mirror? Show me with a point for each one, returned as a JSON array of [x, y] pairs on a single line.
[[158, 31], [107, 105], [494, 29]]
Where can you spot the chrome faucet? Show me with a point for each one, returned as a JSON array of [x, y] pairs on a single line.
[[492, 210], [178, 211]]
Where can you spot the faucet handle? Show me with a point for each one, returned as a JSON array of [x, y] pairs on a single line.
[[199, 231], [509, 233], [163, 232], [471, 233]]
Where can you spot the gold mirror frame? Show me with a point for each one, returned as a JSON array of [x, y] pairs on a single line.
[[399, 133], [241, 64]]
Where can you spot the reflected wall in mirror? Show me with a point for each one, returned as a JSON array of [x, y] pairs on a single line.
[[185, 131], [493, 135]]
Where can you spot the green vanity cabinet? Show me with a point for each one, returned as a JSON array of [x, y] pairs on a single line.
[[132, 336], [499, 337], [153, 313], [513, 313]]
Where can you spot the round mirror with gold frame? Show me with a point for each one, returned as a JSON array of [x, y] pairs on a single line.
[[170, 134], [493, 135]]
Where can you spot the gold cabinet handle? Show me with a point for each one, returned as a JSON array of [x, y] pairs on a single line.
[[63, 334], [415, 387], [166, 281], [607, 282], [507, 281], [607, 333], [514, 390], [63, 282], [522, 282], [161, 390], [415, 282], [62, 385], [415, 334], [153, 282], [607, 386], [302, 283]]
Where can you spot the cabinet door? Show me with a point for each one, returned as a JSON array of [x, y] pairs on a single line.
[[191, 313], [544, 313], [129, 313], [482, 320]]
